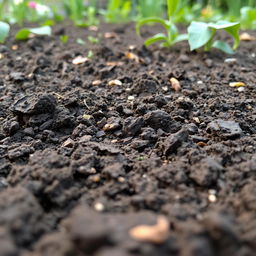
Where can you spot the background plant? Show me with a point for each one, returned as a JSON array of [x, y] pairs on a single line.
[[117, 11], [172, 35]]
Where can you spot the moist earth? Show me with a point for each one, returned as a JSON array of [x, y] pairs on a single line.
[[90, 151]]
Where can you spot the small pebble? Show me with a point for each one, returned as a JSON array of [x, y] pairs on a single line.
[[241, 89], [212, 198], [99, 207], [230, 60], [131, 98]]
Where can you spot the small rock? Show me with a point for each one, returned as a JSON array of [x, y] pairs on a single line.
[[230, 60], [170, 144], [185, 102], [35, 104], [11, 127], [192, 128], [100, 134], [21, 151], [206, 172], [29, 131], [17, 77], [224, 129], [132, 125], [159, 119], [196, 138]]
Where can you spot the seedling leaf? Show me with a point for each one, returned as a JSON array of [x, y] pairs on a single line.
[[24, 33], [156, 38], [142, 22], [199, 34], [182, 37], [223, 46], [172, 7], [230, 27], [4, 31]]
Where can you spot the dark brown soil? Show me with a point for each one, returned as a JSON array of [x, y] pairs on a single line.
[[83, 162]]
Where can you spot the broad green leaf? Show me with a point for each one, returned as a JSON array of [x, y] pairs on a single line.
[[222, 24], [234, 32], [4, 31], [172, 7], [142, 22], [230, 27], [24, 33], [156, 38], [223, 46], [198, 34]]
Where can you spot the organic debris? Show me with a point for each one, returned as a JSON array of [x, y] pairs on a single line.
[[175, 84], [79, 60], [156, 234]]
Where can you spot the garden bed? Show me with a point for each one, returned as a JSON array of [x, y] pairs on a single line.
[[88, 151]]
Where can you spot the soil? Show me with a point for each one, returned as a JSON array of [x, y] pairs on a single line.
[[84, 160]]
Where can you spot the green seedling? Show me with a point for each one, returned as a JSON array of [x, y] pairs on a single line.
[[81, 14], [150, 8], [117, 11], [93, 40], [202, 34], [64, 39], [248, 17], [90, 54], [80, 41], [4, 31], [25, 33], [172, 35]]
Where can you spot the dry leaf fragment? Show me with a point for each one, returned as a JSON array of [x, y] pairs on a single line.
[[69, 143], [96, 82], [201, 144], [15, 47], [109, 35], [79, 60], [93, 28], [114, 63], [154, 234], [247, 37], [237, 84], [114, 82], [175, 84], [132, 56]]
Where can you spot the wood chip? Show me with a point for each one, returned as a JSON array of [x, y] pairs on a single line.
[[175, 84], [237, 84], [114, 82], [132, 56], [247, 37], [153, 234], [79, 60]]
